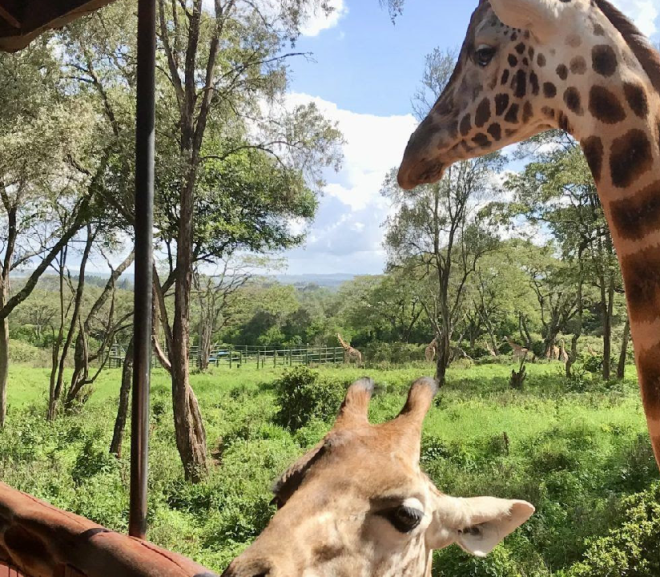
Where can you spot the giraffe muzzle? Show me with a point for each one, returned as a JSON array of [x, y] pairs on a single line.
[[413, 172]]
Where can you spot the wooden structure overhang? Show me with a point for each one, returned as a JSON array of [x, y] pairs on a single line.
[[36, 539], [21, 21]]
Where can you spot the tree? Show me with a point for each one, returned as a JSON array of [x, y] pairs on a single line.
[[557, 191], [40, 131], [438, 236], [214, 295], [235, 164]]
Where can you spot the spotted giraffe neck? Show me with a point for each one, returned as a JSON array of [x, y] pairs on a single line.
[[621, 141]]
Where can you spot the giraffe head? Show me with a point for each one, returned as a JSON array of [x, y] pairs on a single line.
[[359, 505], [527, 66]]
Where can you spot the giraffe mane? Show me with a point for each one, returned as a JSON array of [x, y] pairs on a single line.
[[648, 57]]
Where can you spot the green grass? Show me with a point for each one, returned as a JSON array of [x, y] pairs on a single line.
[[576, 449]]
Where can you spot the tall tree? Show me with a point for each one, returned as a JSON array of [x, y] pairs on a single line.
[[39, 131], [235, 163], [438, 235]]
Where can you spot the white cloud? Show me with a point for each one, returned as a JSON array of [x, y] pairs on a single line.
[[319, 21], [645, 13], [347, 234]]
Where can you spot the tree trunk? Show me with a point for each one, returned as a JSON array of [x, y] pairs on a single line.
[[623, 356], [80, 291], [124, 402], [528, 336], [4, 368], [57, 344], [188, 425], [608, 311], [572, 358], [443, 359]]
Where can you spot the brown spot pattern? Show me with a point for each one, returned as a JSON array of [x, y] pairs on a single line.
[[638, 215], [649, 369], [630, 158], [604, 60], [482, 116], [605, 106], [641, 273], [637, 99], [573, 100], [594, 153]]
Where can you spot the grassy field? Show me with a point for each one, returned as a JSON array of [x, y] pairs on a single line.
[[577, 449]]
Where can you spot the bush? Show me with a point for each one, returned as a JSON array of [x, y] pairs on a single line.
[[25, 354], [302, 396], [631, 550], [395, 353]]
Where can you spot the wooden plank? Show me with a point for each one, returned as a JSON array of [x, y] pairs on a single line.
[[42, 15]]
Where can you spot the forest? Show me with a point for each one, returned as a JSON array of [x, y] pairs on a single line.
[[502, 281]]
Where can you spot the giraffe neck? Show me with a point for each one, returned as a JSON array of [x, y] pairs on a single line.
[[622, 144]]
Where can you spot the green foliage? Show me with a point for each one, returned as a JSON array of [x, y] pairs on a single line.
[[303, 395], [394, 353], [631, 550], [577, 456]]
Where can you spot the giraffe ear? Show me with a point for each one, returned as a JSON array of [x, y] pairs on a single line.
[[540, 17], [355, 408]]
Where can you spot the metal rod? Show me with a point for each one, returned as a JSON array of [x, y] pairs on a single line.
[[144, 202]]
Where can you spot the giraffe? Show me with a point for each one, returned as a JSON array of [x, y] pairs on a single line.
[[591, 351], [359, 505], [563, 355], [527, 66], [552, 353], [519, 353], [431, 350], [349, 351]]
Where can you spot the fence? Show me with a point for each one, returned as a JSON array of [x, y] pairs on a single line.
[[238, 356]]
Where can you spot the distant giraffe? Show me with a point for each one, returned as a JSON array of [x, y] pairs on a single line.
[[563, 355], [519, 353], [591, 351], [431, 350], [349, 352], [490, 349]]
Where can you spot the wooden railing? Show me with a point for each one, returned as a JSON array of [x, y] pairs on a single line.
[[39, 540]]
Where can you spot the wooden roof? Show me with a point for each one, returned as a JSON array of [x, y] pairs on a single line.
[[21, 21]]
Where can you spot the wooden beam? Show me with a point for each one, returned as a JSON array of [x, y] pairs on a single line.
[[10, 12], [42, 15]]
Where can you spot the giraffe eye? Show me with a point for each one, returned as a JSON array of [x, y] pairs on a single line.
[[484, 55], [404, 519]]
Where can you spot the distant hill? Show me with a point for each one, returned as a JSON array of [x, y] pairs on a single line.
[[332, 281], [323, 280]]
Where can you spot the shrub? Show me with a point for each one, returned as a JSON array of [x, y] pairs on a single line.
[[302, 396], [23, 353], [633, 549], [395, 353]]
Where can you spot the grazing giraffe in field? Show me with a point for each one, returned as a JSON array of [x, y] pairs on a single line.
[[563, 355], [349, 351], [431, 350], [519, 353], [527, 66], [358, 504]]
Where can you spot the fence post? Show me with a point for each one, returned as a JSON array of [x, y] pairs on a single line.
[[275, 358], [258, 358]]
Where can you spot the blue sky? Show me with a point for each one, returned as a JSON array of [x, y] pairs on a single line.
[[363, 74]]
